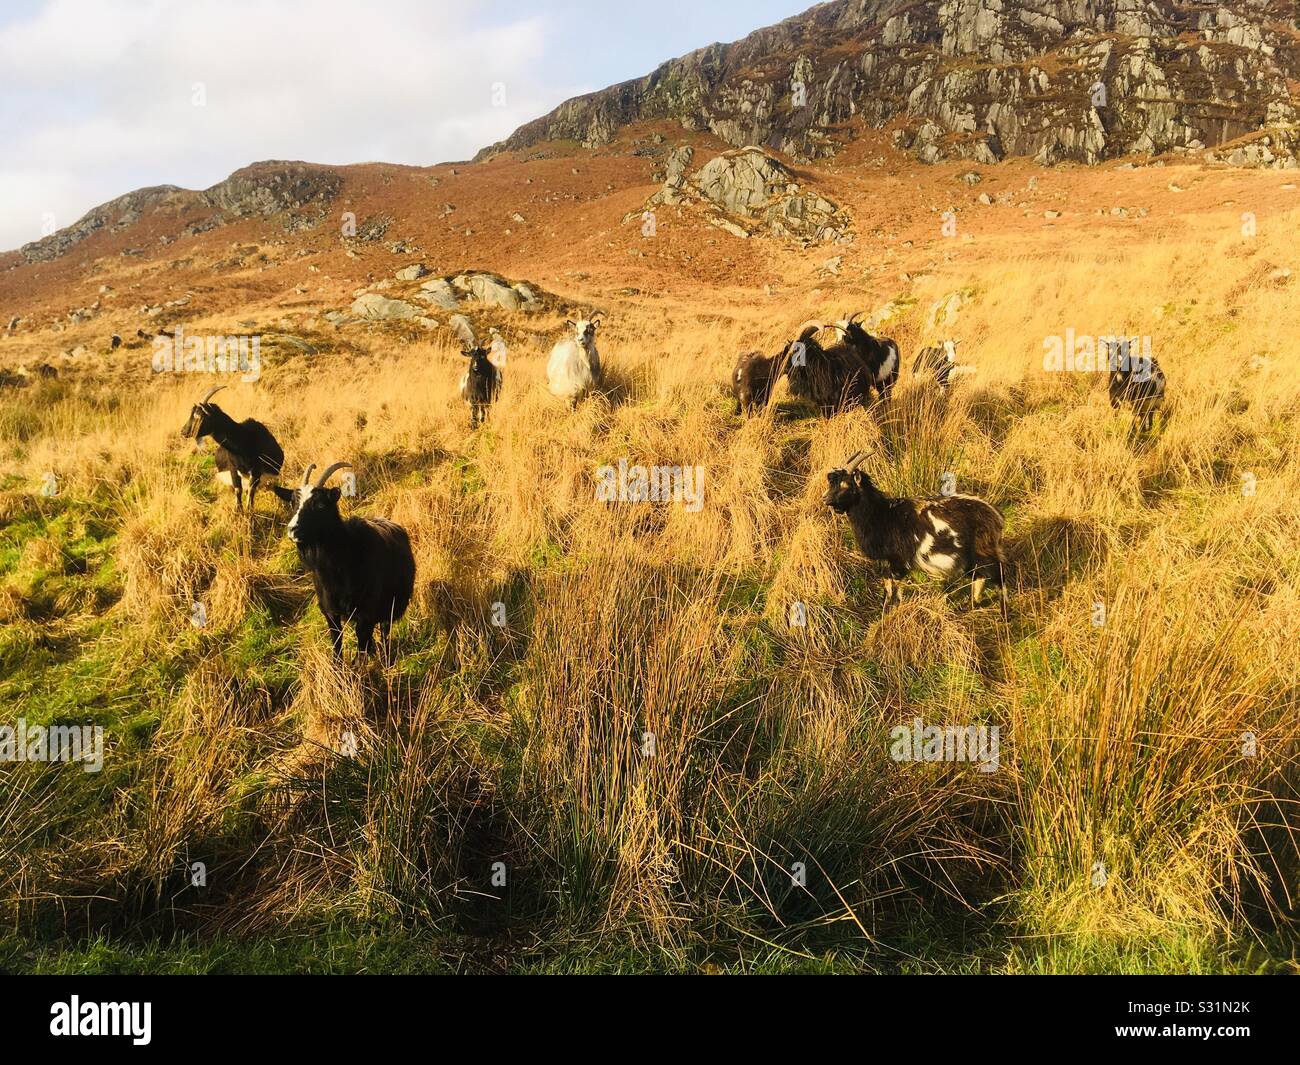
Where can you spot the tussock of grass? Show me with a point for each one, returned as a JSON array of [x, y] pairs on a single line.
[[646, 754]]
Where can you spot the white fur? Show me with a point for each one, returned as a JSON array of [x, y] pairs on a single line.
[[931, 562], [304, 494], [940, 525], [226, 477], [888, 366], [936, 564], [573, 368]]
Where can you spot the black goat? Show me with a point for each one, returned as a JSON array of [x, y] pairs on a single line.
[[942, 536], [828, 377], [1135, 380], [244, 449], [937, 363], [879, 354], [753, 380], [480, 384], [362, 568]]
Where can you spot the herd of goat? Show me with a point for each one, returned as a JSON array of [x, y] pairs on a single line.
[[363, 569]]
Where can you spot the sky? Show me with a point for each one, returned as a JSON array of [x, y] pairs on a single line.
[[100, 97]]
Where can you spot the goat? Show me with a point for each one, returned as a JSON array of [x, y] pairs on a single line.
[[828, 377], [363, 569], [244, 449], [937, 363], [573, 368], [114, 342], [879, 354], [1138, 382], [956, 533], [480, 384], [753, 379]]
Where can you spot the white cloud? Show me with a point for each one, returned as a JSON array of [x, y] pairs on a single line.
[[97, 98]]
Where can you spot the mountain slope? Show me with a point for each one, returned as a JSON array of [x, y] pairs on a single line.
[[1055, 79]]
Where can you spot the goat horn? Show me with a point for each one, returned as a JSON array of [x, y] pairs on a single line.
[[809, 327], [320, 481], [596, 315], [855, 316], [854, 461], [306, 474], [211, 393]]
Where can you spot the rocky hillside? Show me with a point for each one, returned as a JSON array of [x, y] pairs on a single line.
[[1056, 80], [296, 192]]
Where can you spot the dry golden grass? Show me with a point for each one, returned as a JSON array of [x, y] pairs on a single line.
[[526, 744]]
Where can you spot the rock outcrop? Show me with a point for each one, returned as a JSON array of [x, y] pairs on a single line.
[[1058, 80], [272, 188], [374, 307], [451, 293], [117, 214], [754, 193], [296, 192]]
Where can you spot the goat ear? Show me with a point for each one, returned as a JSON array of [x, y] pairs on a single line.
[[286, 494], [334, 494]]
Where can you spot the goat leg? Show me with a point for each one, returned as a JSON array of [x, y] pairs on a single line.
[[365, 639]]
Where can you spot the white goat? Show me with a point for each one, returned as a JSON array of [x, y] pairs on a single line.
[[573, 369]]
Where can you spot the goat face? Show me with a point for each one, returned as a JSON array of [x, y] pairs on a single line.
[[855, 334], [205, 416], [480, 361], [950, 350], [200, 423], [844, 490], [584, 330], [315, 512]]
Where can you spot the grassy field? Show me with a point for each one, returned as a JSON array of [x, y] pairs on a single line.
[[501, 811]]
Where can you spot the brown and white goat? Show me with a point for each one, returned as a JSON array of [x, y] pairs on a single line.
[[944, 536]]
